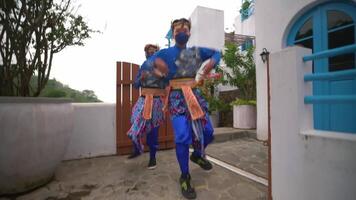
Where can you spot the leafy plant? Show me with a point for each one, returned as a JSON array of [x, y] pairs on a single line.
[[244, 11], [242, 71], [239, 102], [215, 104], [245, 5], [31, 33]]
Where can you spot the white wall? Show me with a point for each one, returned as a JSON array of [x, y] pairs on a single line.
[[94, 132], [306, 164], [246, 27], [208, 31], [207, 28], [273, 20], [223, 88]]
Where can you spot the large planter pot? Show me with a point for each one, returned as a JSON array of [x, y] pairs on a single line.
[[214, 119], [34, 134], [245, 117]]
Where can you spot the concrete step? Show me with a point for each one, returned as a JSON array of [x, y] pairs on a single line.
[[223, 134]]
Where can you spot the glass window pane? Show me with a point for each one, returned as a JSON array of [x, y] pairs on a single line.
[[338, 19], [306, 30], [306, 43], [341, 38], [342, 62]]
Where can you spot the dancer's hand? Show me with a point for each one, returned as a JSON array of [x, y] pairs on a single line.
[[157, 73], [161, 66], [208, 67]]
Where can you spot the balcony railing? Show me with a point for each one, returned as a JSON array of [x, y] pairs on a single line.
[[247, 9], [328, 76]]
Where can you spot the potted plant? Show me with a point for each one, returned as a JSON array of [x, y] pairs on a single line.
[[242, 74], [216, 106], [244, 114], [34, 131]]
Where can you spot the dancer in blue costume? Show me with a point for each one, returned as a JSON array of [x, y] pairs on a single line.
[[186, 104], [147, 114]]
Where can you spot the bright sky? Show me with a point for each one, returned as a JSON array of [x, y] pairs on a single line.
[[126, 27]]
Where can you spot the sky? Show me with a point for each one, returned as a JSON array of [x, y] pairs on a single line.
[[126, 26]]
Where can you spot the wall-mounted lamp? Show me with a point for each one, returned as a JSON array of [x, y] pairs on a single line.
[[264, 55]]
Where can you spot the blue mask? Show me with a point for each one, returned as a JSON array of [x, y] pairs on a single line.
[[181, 38]]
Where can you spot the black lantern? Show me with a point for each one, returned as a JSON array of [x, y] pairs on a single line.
[[264, 55]]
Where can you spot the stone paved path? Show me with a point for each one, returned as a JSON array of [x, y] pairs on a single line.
[[115, 178], [245, 153]]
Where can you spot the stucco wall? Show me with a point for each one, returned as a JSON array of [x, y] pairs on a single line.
[[306, 163], [273, 21], [94, 132], [246, 27], [207, 28]]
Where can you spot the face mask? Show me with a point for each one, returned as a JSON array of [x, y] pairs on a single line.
[[182, 38]]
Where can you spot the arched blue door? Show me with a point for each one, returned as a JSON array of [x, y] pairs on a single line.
[[330, 26]]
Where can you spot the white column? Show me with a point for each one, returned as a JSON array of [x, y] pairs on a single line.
[[207, 28]]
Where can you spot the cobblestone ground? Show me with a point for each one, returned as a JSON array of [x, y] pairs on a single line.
[[246, 153], [116, 178]]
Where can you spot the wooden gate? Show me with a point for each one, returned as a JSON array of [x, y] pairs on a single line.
[[126, 97]]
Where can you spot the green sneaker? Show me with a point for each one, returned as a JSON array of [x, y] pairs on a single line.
[[202, 162], [187, 190]]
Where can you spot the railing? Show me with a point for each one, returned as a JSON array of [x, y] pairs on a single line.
[[327, 76], [331, 76], [331, 52], [248, 11], [330, 99]]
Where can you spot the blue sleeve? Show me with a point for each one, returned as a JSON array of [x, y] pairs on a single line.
[[137, 81], [207, 53], [162, 54], [169, 56]]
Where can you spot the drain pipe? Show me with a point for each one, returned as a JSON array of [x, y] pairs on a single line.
[[265, 58]]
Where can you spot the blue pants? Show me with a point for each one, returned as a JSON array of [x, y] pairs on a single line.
[[183, 138], [152, 142]]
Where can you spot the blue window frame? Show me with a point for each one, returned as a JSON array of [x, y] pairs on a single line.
[[246, 45], [329, 26]]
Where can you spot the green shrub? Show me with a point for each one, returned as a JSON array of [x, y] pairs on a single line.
[[239, 102]]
